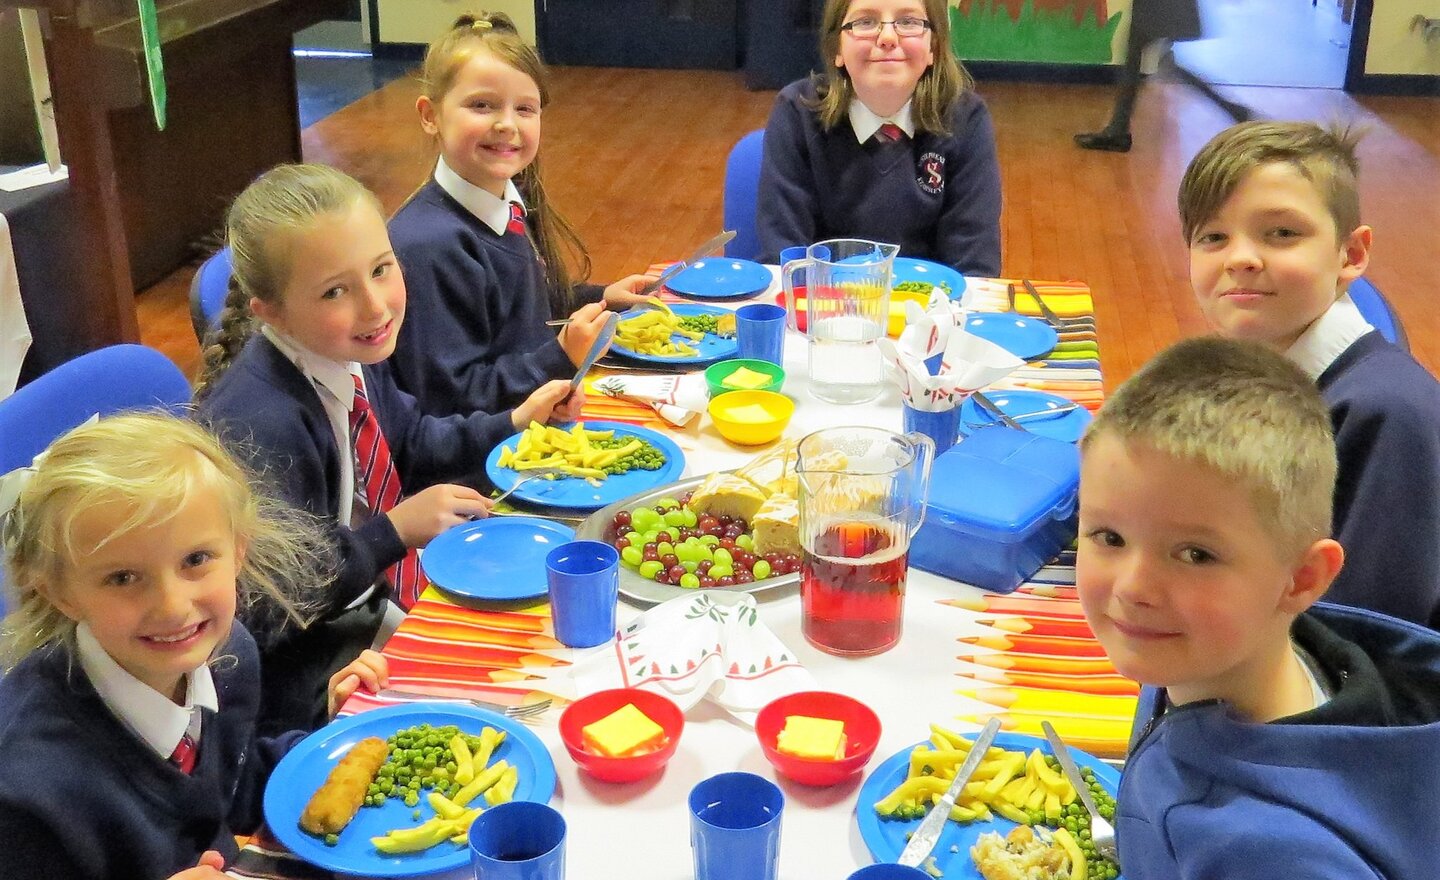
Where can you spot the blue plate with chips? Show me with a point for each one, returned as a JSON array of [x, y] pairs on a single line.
[[721, 278], [710, 349], [578, 493], [886, 838], [1026, 338], [909, 270], [500, 558], [305, 767]]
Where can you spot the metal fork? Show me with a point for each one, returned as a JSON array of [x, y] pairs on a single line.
[[1102, 833], [533, 475], [523, 712]]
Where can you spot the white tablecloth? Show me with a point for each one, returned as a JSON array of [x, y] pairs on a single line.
[[14, 331], [640, 831]]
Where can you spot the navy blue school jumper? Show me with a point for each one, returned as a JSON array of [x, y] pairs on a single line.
[[270, 415], [935, 195], [1385, 410], [474, 335], [86, 799]]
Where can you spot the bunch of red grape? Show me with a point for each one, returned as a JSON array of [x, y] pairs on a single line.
[[670, 544]]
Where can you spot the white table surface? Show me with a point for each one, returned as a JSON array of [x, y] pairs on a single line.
[[640, 831]]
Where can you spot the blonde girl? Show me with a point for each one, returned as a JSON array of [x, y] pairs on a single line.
[[487, 258], [890, 143], [131, 691], [309, 402]]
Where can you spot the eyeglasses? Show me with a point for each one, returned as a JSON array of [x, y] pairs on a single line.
[[869, 28]]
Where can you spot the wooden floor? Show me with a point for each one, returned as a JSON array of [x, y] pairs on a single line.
[[636, 159]]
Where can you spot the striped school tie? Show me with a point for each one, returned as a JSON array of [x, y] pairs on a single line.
[[184, 754], [890, 132], [377, 481], [517, 219]]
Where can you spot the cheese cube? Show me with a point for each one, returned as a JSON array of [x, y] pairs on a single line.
[[746, 378], [818, 739], [750, 414], [626, 731]]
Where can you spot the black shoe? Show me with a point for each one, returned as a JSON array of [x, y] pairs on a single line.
[[1104, 140]]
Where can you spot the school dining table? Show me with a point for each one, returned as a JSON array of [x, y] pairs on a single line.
[[640, 830]]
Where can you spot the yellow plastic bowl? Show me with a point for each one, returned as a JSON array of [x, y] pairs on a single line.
[[750, 418], [897, 309]]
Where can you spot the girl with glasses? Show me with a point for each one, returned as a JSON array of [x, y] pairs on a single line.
[[890, 143]]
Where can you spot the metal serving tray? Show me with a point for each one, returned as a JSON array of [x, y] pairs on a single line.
[[596, 527]]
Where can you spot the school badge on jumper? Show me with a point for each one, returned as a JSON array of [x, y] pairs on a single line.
[[932, 173]]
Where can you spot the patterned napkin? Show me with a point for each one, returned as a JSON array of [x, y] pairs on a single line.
[[967, 362], [692, 648], [675, 398]]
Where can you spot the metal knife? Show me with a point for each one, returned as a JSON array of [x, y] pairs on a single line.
[[1050, 317], [989, 406], [602, 341], [710, 247], [924, 838]]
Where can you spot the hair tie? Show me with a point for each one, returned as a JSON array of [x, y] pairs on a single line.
[[481, 24]]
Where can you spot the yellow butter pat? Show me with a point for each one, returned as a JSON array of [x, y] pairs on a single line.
[[819, 739], [750, 414], [626, 731], [746, 378]]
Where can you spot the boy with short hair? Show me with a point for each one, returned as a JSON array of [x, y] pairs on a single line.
[[1271, 215], [1273, 739]]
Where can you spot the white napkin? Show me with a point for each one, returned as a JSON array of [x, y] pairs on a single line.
[[968, 363], [692, 648], [675, 398]]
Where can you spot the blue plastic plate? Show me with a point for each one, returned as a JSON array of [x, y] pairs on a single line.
[[575, 493], [500, 558], [886, 838], [721, 278], [1022, 336], [712, 348], [305, 768], [1067, 427], [911, 269]]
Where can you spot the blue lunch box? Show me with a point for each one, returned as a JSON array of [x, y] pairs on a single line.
[[1001, 505]]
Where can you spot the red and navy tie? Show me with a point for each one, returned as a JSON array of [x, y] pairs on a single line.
[[376, 479], [890, 132], [517, 219], [184, 754]]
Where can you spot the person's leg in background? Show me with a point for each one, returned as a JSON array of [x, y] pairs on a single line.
[[1237, 112], [1115, 136]]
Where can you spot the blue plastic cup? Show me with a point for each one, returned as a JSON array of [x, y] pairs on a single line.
[[735, 827], [760, 332], [584, 579], [889, 871], [942, 426], [518, 840]]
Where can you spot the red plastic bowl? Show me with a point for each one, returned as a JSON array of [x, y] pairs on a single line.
[[585, 710], [862, 734]]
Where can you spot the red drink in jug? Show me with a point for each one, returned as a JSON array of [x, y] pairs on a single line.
[[852, 586]]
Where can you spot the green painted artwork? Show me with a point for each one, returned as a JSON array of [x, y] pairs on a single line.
[[1051, 31]]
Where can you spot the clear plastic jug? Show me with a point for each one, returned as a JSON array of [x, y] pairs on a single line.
[[862, 497], [847, 307]]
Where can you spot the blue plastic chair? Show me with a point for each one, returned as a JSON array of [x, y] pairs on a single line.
[[742, 185], [1376, 309], [207, 293], [109, 380]]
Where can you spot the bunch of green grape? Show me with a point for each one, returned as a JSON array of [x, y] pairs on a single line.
[[646, 458]]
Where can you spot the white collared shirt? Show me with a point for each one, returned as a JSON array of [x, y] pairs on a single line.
[[489, 210], [148, 713], [865, 122], [1327, 338]]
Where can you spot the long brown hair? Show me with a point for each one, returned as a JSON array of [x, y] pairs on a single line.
[[283, 200], [940, 86], [556, 241]]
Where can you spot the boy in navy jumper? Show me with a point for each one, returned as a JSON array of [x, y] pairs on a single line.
[[1274, 739], [1271, 214], [485, 253], [300, 401], [892, 144], [128, 706]]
